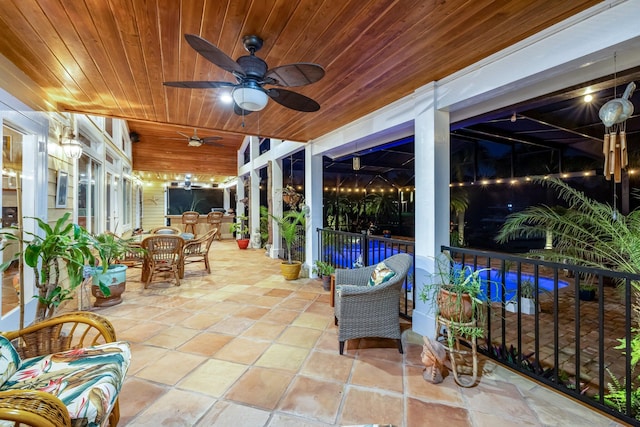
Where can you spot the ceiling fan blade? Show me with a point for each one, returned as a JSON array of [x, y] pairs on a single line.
[[199, 85], [207, 139], [239, 111], [183, 134], [213, 54], [299, 74], [293, 100], [213, 143]]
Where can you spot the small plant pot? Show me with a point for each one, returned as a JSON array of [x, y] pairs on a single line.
[[587, 294], [454, 307], [326, 282], [243, 243]]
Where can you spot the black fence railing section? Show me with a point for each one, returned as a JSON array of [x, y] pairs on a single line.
[[579, 336], [351, 250]]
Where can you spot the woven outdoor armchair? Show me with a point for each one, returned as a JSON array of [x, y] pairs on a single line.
[[370, 311], [68, 370]]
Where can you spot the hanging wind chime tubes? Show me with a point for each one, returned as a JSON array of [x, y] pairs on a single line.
[[614, 115]]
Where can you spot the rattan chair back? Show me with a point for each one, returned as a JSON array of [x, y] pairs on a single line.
[[164, 254]]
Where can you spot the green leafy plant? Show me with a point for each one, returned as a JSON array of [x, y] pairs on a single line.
[[288, 226], [322, 268], [65, 244], [240, 226], [458, 294], [109, 249]]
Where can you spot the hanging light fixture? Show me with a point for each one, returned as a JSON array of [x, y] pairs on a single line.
[[250, 97], [70, 145], [356, 163]]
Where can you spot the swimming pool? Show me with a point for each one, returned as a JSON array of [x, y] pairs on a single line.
[[545, 284]]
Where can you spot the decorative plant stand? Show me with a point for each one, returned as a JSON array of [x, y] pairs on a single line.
[[458, 353]]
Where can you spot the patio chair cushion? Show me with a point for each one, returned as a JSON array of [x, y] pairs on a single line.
[[9, 360], [381, 274], [86, 380]]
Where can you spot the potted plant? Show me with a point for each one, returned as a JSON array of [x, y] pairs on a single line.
[[240, 228], [587, 289], [110, 277], [458, 291], [324, 270], [64, 244], [288, 226], [527, 299]]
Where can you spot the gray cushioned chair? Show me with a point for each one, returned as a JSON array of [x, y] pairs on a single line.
[[370, 311]]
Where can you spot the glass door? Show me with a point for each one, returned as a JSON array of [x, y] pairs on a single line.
[[89, 181]]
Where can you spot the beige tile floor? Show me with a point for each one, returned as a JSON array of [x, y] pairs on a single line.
[[243, 347]]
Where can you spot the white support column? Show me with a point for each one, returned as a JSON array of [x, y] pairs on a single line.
[[226, 198], [313, 200], [239, 196], [432, 198], [276, 209], [254, 199]]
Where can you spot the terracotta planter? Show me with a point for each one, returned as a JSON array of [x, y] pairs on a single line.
[[116, 279], [454, 307], [290, 271], [243, 243]]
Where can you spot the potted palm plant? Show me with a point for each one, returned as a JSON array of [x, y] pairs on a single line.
[[240, 228], [110, 277], [288, 226]]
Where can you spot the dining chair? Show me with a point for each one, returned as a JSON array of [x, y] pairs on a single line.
[[190, 221], [198, 251], [163, 254], [214, 219]]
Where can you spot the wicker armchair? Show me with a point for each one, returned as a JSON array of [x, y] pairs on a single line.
[[164, 254], [72, 331], [198, 251], [369, 311]]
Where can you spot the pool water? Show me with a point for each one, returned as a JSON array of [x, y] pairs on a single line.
[[545, 284]]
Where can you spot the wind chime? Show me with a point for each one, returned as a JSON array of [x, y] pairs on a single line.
[[614, 115]]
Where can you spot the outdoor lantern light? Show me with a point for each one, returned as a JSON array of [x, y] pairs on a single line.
[[70, 145], [250, 98], [356, 163]]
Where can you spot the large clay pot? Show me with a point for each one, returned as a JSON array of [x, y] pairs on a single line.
[[454, 307], [290, 271], [116, 279]]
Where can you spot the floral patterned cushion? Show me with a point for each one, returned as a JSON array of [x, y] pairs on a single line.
[[381, 274], [9, 360], [86, 380]]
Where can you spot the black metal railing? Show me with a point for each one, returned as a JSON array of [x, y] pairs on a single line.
[[350, 250], [580, 347]]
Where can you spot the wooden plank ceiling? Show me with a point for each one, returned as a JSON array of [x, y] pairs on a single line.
[[110, 57]]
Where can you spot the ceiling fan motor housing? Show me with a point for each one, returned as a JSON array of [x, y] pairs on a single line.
[[253, 66]]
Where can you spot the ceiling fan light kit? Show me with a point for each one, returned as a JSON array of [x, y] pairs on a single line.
[[252, 74], [249, 98]]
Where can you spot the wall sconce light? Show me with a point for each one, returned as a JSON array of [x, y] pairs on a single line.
[[70, 145]]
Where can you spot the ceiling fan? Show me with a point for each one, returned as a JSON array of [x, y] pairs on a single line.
[[195, 141], [252, 74]]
